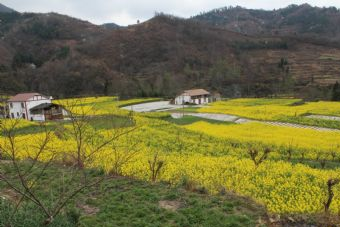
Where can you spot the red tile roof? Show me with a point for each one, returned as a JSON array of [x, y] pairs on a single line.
[[23, 97]]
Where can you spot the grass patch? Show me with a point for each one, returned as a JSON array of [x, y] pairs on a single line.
[[97, 122], [186, 109], [111, 121], [316, 164], [35, 128], [187, 120], [329, 57], [137, 101], [130, 203], [303, 120]]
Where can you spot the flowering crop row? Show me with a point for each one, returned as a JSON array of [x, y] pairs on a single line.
[[272, 109], [280, 136], [100, 105], [213, 156]]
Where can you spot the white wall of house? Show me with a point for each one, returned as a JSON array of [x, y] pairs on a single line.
[[182, 99], [34, 103], [37, 117], [22, 109], [16, 110], [205, 100]]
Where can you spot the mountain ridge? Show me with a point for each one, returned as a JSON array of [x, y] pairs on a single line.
[[64, 56], [302, 21], [111, 25], [5, 9]]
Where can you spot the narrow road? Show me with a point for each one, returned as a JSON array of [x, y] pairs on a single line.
[[240, 120], [151, 107], [154, 107], [165, 106], [324, 117]]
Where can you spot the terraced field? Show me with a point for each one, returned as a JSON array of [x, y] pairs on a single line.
[[280, 110], [284, 169], [306, 64]]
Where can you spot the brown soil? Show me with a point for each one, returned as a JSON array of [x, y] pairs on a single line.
[[88, 210], [10, 195], [170, 205]]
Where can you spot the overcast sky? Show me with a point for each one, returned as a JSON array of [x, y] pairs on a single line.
[[124, 12]]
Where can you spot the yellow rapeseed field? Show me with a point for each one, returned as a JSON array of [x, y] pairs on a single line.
[[272, 109], [270, 134], [214, 156], [99, 105]]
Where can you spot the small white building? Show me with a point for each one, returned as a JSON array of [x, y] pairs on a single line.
[[34, 107], [48, 112], [195, 96]]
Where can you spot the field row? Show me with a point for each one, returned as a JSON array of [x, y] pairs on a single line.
[[284, 168], [282, 110]]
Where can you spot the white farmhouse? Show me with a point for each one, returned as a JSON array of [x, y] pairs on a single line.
[[34, 107], [195, 96]]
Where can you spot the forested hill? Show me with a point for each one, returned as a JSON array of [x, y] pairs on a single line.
[[5, 9], [294, 20], [63, 56]]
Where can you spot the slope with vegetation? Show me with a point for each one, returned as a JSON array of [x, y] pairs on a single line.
[[5, 9], [127, 202], [63, 56], [281, 110], [289, 171], [302, 21]]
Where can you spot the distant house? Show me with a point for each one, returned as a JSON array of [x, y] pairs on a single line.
[[34, 107], [195, 96], [48, 112]]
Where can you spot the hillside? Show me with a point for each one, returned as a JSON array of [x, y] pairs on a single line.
[[128, 202], [110, 25], [294, 20], [64, 56], [5, 9]]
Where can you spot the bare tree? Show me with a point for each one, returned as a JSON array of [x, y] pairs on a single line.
[[302, 155], [289, 151], [89, 142], [156, 165], [334, 155], [330, 184], [23, 180], [322, 158], [257, 156], [29, 161], [124, 152]]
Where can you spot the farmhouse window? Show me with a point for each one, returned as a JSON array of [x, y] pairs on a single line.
[[22, 105]]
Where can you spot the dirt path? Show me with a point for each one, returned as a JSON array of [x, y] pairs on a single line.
[[151, 106], [165, 106], [240, 120], [324, 117], [300, 126], [158, 106]]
